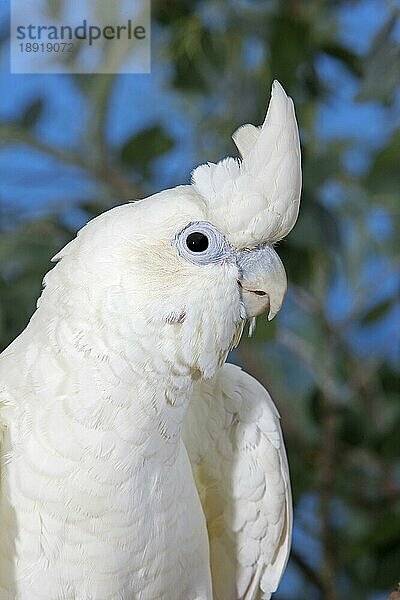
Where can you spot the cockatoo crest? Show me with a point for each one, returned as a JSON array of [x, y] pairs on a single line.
[[256, 199]]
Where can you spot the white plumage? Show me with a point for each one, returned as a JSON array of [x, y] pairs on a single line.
[[266, 183], [235, 445], [134, 463]]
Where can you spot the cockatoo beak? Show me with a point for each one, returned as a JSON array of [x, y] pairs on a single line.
[[262, 281]]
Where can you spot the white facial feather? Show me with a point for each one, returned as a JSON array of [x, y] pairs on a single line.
[[125, 267], [257, 199]]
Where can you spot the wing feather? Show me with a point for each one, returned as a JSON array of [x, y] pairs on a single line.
[[234, 441]]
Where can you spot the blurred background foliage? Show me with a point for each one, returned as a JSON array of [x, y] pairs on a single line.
[[73, 146]]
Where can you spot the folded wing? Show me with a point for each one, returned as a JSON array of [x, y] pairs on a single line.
[[234, 441]]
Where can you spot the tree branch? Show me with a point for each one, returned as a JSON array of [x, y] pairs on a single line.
[[326, 491], [109, 175]]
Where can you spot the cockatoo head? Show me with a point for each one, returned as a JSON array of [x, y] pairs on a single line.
[[194, 262]]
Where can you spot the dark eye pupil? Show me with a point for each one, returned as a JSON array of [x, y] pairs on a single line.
[[197, 242]]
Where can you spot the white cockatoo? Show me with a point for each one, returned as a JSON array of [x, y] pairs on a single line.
[[134, 463]]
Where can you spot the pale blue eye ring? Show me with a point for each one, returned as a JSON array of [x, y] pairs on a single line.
[[202, 244]]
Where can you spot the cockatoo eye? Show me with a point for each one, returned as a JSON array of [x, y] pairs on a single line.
[[201, 243], [197, 241]]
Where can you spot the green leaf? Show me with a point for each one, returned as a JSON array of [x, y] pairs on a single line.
[[141, 149], [382, 65], [345, 55], [390, 379], [169, 12], [353, 429], [377, 312], [298, 261], [389, 446], [290, 44], [383, 178], [32, 114], [316, 228]]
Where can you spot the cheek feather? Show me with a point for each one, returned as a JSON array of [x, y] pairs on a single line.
[[207, 323]]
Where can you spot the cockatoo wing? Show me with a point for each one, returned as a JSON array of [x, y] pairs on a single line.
[[234, 441]]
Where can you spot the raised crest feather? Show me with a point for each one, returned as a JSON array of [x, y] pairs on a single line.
[[256, 199]]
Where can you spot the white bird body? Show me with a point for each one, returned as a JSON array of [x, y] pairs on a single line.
[[87, 453], [124, 436]]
